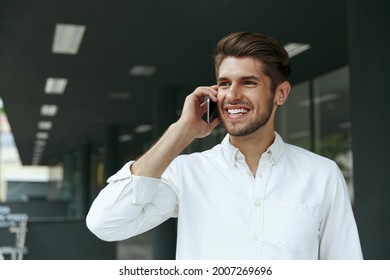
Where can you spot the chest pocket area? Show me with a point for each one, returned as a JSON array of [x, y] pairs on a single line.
[[298, 228]]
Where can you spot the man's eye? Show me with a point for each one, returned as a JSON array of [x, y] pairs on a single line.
[[250, 83], [223, 84]]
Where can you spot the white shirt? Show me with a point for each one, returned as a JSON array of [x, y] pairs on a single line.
[[297, 206]]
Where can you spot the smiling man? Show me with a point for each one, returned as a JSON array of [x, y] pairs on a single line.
[[252, 196]]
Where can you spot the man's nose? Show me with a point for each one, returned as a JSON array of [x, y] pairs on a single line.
[[234, 93]]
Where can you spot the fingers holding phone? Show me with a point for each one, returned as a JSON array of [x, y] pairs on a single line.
[[211, 110], [195, 104], [197, 107], [209, 104]]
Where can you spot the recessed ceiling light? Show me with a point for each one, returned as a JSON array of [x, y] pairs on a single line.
[[45, 125], [126, 138], [36, 160], [55, 85], [40, 143], [143, 128], [119, 95], [294, 49], [39, 149], [42, 135], [67, 38], [37, 155], [49, 110], [142, 70], [345, 125]]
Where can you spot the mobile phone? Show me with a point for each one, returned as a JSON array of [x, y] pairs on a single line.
[[211, 111]]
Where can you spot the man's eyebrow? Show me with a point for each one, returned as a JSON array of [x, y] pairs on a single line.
[[249, 77], [222, 79]]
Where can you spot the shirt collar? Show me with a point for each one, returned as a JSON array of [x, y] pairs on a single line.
[[232, 153]]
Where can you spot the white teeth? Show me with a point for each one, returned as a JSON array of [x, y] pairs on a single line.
[[237, 111]]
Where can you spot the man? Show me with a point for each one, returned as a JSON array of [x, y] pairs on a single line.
[[250, 197]]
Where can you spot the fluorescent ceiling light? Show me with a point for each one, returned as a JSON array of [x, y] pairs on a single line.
[[294, 49], [49, 110], [42, 135], [38, 149], [345, 125], [142, 70], [36, 160], [67, 38], [55, 85], [126, 138], [119, 95], [45, 125], [40, 143], [143, 128]]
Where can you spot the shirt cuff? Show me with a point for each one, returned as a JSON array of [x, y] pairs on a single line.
[[123, 173]]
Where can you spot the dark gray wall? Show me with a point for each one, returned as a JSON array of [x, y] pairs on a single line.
[[164, 235], [53, 236], [369, 60], [61, 240], [66, 240], [39, 208]]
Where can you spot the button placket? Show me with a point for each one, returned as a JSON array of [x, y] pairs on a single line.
[[257, 207]]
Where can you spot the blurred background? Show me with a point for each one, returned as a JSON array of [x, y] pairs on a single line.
[[86, 86]]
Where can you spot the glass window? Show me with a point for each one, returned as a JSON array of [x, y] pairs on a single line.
[[332, 120], [293, 119], [317, 117]]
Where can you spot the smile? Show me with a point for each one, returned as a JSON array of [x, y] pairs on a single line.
[[239, 111]]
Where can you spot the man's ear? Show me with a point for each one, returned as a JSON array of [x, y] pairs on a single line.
[[282, 92]]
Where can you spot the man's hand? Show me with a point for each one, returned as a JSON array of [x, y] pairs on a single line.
[[191, 119], [179, 135]]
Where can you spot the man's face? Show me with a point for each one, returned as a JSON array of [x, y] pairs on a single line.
[[244, 95]]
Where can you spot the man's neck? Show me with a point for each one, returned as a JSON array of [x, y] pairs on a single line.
[[254, 145]]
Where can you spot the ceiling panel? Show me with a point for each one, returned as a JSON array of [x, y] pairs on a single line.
[[176, 36]]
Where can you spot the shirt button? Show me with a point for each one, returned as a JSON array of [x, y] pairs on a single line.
[[249, 173], [239, 155], [257, 203], [255, 237]]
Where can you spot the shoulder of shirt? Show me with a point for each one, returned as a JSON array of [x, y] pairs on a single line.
[[187, 162], [307, 157], [212, 152]]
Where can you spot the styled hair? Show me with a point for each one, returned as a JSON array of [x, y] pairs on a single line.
[[272, 55]]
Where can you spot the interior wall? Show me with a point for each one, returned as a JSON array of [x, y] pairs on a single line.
[[66, 240]]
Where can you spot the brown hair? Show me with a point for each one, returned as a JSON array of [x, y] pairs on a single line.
[[275, 60]]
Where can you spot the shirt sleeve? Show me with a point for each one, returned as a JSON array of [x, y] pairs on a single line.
[[339, 234], [130, 205]]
